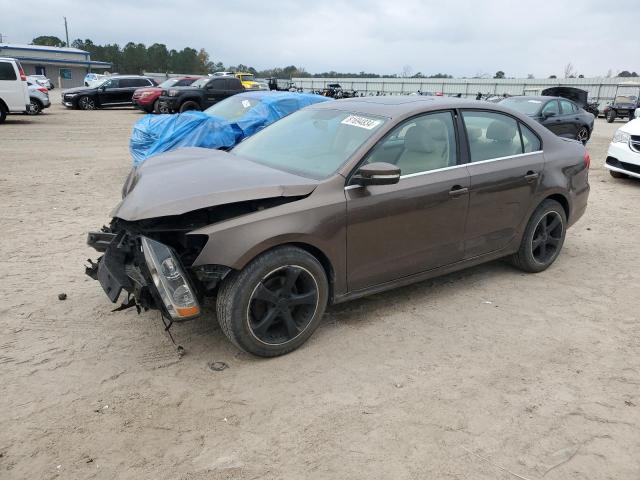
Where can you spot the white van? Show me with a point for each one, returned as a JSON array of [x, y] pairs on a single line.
[[14, 93]]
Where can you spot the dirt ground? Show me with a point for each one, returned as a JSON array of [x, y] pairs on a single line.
[[488, 373]]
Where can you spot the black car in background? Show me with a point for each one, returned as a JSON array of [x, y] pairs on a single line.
[[200, 95], [560, 115], [116, 91]]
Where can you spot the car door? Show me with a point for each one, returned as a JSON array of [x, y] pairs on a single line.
[[506, 162], [234, 86], [570, 118], [551, 117], [109, 92], [11, 87], [394, 231], [215, 91], [130, 85]]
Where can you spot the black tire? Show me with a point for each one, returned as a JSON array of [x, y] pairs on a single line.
[[86, 103], [583, 135], [156, 106], [618, 174], [189, 105], [252, 304], [3, 113], [35, 107], [543, 238], [611, 116]]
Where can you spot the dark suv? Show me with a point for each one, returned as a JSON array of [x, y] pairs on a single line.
[[200, 95], [115, 91]]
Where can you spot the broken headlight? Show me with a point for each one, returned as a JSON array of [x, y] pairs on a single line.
[[173, 286]]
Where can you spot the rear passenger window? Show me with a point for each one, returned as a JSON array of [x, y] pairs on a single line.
[[567, 107], [7, 72], [491, 135], [424, 143], [217, 84], [530, 140]]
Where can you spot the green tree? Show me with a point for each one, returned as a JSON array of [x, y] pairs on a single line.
[[48, 41], [499, 74], [157, 58]]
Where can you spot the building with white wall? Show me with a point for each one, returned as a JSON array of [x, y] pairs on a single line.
[[66, 67]]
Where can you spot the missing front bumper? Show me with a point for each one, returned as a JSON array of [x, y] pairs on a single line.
[[128, 264]]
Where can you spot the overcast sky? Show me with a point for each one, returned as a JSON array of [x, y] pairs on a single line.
[[459, 37]]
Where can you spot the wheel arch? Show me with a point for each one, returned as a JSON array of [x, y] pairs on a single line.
[[308, 247], [562, 200]]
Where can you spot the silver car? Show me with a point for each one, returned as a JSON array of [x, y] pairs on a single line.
[[42, 80], [38, 98]]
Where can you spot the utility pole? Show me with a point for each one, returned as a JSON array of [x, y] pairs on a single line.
[[66, 30], [1, 39]]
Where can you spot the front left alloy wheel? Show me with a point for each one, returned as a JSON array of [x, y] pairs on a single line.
[[86, 103], [275, 303]]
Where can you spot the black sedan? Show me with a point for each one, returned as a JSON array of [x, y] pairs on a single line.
[[560, 115], [116, 91]]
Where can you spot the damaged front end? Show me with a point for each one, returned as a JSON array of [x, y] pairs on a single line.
[[153, 267]]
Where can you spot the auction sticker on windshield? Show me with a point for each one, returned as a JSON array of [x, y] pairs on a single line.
[[246, 103], [362, 122]]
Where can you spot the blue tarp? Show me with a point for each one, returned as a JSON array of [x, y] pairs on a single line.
[[155, 134]]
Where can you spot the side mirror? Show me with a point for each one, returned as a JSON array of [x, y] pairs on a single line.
[[378, 173], [546, 115]]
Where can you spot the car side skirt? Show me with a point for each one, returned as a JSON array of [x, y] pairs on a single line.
[[436, 272]]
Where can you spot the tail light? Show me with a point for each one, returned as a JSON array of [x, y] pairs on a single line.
[[587, 159], [43, 90], [23, 77]]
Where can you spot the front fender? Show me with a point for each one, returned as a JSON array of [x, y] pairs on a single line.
[[318, 221]]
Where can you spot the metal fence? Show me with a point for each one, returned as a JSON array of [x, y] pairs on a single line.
[[602, 90]]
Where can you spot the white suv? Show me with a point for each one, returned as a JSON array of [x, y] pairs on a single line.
[[14, 94], [623, 157]]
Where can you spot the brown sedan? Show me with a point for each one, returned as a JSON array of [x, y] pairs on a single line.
[[336, 201]]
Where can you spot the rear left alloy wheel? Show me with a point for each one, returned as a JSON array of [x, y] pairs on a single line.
[[583, 135], [543, 238], [275, 303], [35, 107]]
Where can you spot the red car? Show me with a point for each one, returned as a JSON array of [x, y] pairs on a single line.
[[147, 98]]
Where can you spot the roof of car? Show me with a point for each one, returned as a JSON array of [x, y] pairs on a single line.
[[400, 105]]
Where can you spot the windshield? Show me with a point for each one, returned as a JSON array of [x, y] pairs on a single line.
[[528, 106], [311, 143], [169, 82], [200, 82], [232, 108]]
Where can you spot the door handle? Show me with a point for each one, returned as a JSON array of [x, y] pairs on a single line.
[[531, 176], [457, 191]]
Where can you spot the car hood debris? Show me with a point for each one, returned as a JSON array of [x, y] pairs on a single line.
[[193, 178]]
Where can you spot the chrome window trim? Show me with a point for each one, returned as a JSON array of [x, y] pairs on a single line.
[[411, 175]]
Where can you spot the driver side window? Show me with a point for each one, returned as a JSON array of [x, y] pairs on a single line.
[[113, 83], [551, 107], [421, 144]]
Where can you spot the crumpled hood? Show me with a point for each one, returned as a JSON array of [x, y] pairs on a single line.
[[192, 178]]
